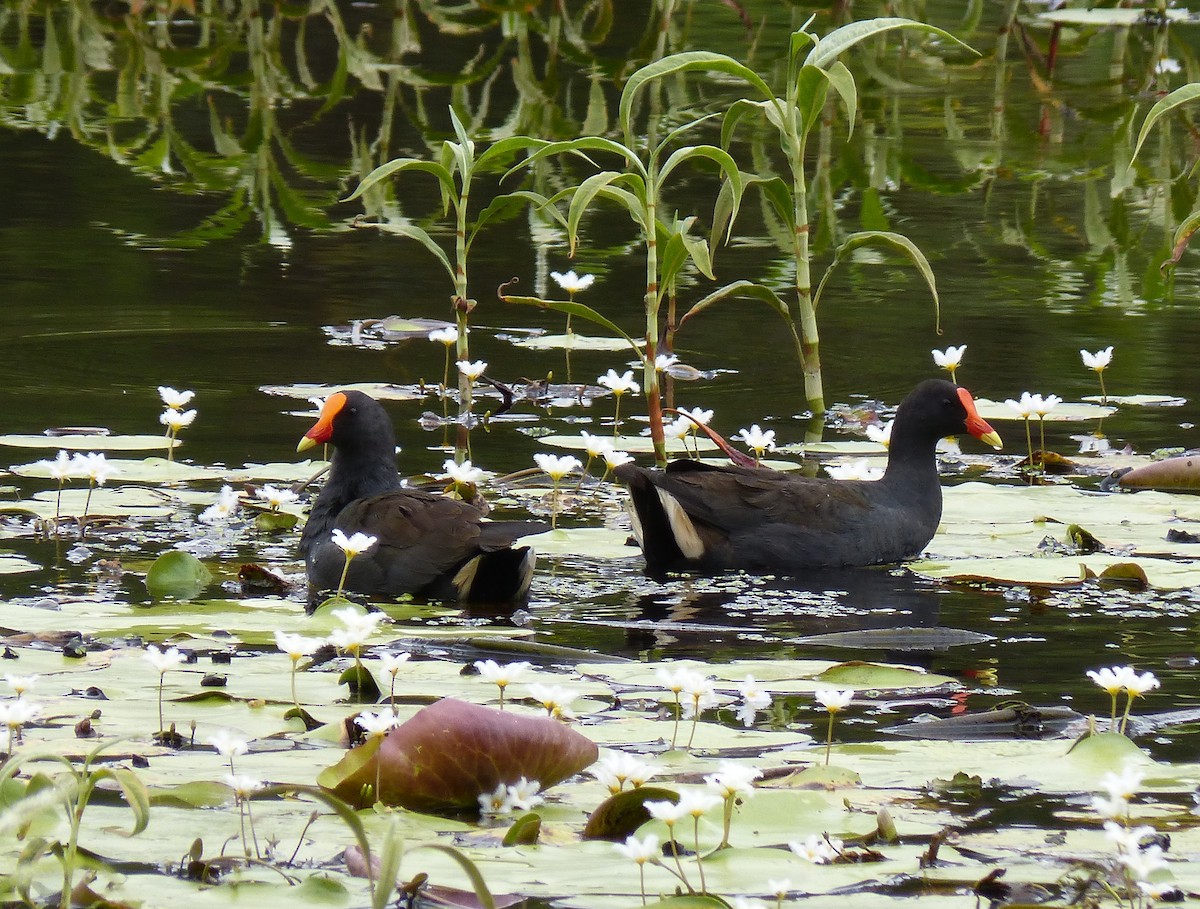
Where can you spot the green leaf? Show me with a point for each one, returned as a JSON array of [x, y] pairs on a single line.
[[1182, 237], [401, 165], [482, 893], [840, 40], [722, 158], [525, 830], [421, 236], [677, 63], [178, 575], [888, 240], [1161, 108], [575, 309], [391, 851], [745, 289], [588, 190], [843, 83], [135, 792]]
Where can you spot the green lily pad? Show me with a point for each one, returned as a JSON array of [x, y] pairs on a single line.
[[89, 442], [574, 342], [590, 542], [1139, 400], [631, 444], [383, 391], [1065, 412], [1099, 18], [15, 564]]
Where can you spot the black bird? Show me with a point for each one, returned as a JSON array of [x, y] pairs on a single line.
[[429, 544], [696, 517]]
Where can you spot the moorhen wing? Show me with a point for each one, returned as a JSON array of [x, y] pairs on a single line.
[[429, 544], [697, 517]]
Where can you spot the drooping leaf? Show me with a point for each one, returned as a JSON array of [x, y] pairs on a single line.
[[449, 753], [840, 40]]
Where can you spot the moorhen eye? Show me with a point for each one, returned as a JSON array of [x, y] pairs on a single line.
[[697, 517], [428, 544]]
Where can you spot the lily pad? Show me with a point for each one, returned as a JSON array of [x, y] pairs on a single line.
[[90, 442], [574, 342], [383, 391], [15, 564], [1169, 474], [1098, 18], [631, 444], [1065, 412], [590, 542], [1139, 400]]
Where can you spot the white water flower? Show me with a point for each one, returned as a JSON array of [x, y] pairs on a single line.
[[696, 415], [854, 470], [176, 420], [276, 496], [733, 780], [297, 646], [1043, 406], [354, 545], [1099, 360], [619, 384], [94, 466], [641, 851], [881, 435], [665, 361], [524, 794], [817, 849], [1137, 685], [447, 336], [20, 684], [595, 446], [949, 359], [571, 282], [1025, 406], [834, 700], [497, 801], [176, 400], [163, 660], [757, 440], [556, 699], [465, 473], [357, 628], [555, 466], [222, 509], [227, 744], [614, 459], [502, 675], [392, 663], [243, 786], [376, 725], [754, 699], [62, 468], [472, 370]]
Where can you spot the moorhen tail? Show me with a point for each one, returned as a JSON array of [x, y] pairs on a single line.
[[429, 544], [696, 517]]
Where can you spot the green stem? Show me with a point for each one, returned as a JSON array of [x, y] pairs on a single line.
[[161, 677], [829, 738], [1103, 393], [1029, 445], [295, 700], [345, 571], [699, 856]]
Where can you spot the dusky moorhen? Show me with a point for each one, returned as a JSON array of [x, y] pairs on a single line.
[[429, 544], [696, 517]]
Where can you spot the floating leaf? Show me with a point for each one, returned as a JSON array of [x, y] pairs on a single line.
[[857, 674], [449, 753], [591, 542], [379, 390], [177, 575], [632, 444], [573, 341], [88, 442], [622, 814], [1064, 412], [1139, 400]]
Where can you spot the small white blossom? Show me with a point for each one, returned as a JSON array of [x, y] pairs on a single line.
[[227, 744], [1099, 360], [392, 663], [817, 849], [296, 646], [176, 420], [472, 370], [950, 358], [502, 675], [619, 384], [595, 446], [555, 466], [1025, 406], [833, 700], [571, 282], [243, 786], [733, 780], [555, 698], [276, 496], [881, 435], [20, 684], [357, 628], [355, 544], [1137, 685], [640, 851], [665, 361], [670, 813], [465, 473], [16, 713], [176, 400], [163, 660], [222, 509], [447, 336], [94, 466], [614, 459], [62, 468], [498, 801], [1110, 678], [1043, 406], [756, 439], [524, 794], [376, 725], [754, 699]]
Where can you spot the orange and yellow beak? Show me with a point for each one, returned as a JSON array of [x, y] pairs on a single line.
[[323, 429], [977, 425]]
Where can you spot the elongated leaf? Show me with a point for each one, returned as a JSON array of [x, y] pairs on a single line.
[[843, 83], [840, 40], [718, 155], [391, 851], [135, 792], [698, 252], [811, 90], [888, 240], [400, 165], [578, 147], [421, 236], [501, 150], [1161, 108], [478, 884], [1182, 237], [737, 112], [575, 309], [746, 289], [677, 63], [673, 255], [592, 187], [500, 207]]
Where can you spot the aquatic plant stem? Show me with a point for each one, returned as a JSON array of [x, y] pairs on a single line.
[[829, 737], [161, 677], [699, 854], [87, 503], [1029, 445], [345, 571], [1103, 392], [295, 699], [726, 821]]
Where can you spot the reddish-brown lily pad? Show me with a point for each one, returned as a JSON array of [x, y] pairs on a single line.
[[1171, 473], [451, 752]]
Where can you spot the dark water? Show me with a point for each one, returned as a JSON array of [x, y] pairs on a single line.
[[117, 273]]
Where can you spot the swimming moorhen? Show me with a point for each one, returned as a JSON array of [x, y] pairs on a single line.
[[429, 544], [697, 517]]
